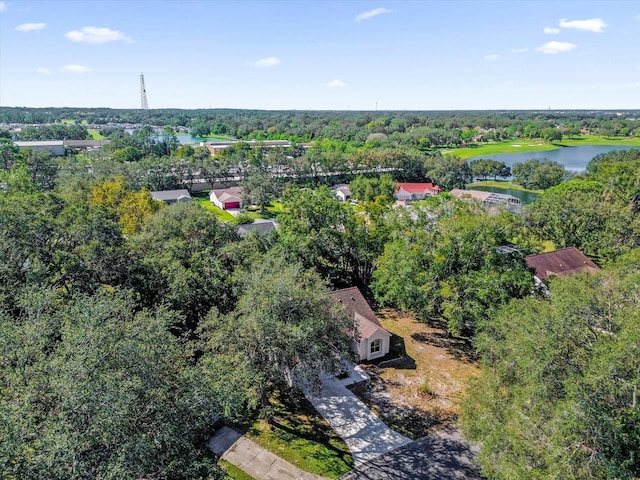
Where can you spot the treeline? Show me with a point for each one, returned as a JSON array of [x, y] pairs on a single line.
[[53, 132], [418, 129]]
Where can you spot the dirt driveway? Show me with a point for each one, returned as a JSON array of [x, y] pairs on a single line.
[[422, 394]]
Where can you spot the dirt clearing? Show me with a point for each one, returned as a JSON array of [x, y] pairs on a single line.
[[423, 391]]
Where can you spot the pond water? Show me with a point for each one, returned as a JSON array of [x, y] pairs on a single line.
[[526, 197], [574, 159]]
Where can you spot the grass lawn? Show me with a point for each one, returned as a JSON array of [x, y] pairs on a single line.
[[301, 436], [68, 121], [95, 134], [272, 211], [538, 145], [203, 199], [502, 184], [233, 472], [513, 146], [600, 140]]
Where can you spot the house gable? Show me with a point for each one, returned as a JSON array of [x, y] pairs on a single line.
[[226, 198], [373, 340]]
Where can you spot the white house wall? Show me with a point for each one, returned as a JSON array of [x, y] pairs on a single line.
[[365, 345]]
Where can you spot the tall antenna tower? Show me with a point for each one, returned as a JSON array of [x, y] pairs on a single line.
[[143, 94]]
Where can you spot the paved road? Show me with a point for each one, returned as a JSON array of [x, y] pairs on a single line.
[[441, 456], [253, 459], [364, 433]]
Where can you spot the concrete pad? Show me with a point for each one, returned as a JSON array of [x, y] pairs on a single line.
[[364, 433], [222, 440], [258, 462], [241, 453]]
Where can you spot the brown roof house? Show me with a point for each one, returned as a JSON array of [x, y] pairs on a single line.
[[374, 340], [561, 263]]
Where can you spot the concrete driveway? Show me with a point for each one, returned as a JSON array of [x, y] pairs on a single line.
[[364, 433], [443, 455]]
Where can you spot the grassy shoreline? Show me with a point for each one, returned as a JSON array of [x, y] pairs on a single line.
[[538, 145], [502, 184]]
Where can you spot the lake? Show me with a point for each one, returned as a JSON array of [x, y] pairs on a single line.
[[526, 197], [574, 159]]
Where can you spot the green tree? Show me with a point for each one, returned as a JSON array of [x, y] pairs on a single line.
[[283, 329], [558, 386], [538, 174], [182, 264], [575, 213], [260, 188], [455, 269], [447, 171], [95, 388], [369, 189]]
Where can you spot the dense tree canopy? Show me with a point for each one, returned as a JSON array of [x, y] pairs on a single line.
[[93, 389], [558, 386]]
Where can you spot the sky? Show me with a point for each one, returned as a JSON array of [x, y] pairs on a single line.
[[321, 55]]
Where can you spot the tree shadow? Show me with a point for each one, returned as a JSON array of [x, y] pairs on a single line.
[[411, 421], [434, 457], [292, 418], [461, 348]]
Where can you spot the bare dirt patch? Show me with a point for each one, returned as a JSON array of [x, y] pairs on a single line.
[[423, 391]]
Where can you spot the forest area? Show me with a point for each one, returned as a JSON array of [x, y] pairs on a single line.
[[128, 328]]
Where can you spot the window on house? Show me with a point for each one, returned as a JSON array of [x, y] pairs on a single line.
[[376, 346]]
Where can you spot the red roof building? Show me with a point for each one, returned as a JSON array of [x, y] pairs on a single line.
[[415, 191]]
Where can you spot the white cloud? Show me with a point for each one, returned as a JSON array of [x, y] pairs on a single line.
[[371, 13], [29, 27], [96, 35], [632, 85], [3, 6], [556, 47], [493, 57], [43, 71], [519, 50], [591, 25], [551, 31], [75, 69], [267, 62], [335, 84]]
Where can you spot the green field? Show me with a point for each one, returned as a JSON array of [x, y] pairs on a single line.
[[502, 184], [95, 134], [528, 145]]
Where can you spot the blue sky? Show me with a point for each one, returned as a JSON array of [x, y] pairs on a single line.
[[321, 55]]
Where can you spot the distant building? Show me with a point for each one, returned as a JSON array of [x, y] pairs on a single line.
[[86, 144], [227, 198], [55, 147], [172, 196], [560, 263], [415, 191], [488, 199], [342, 192], [217, 147]]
